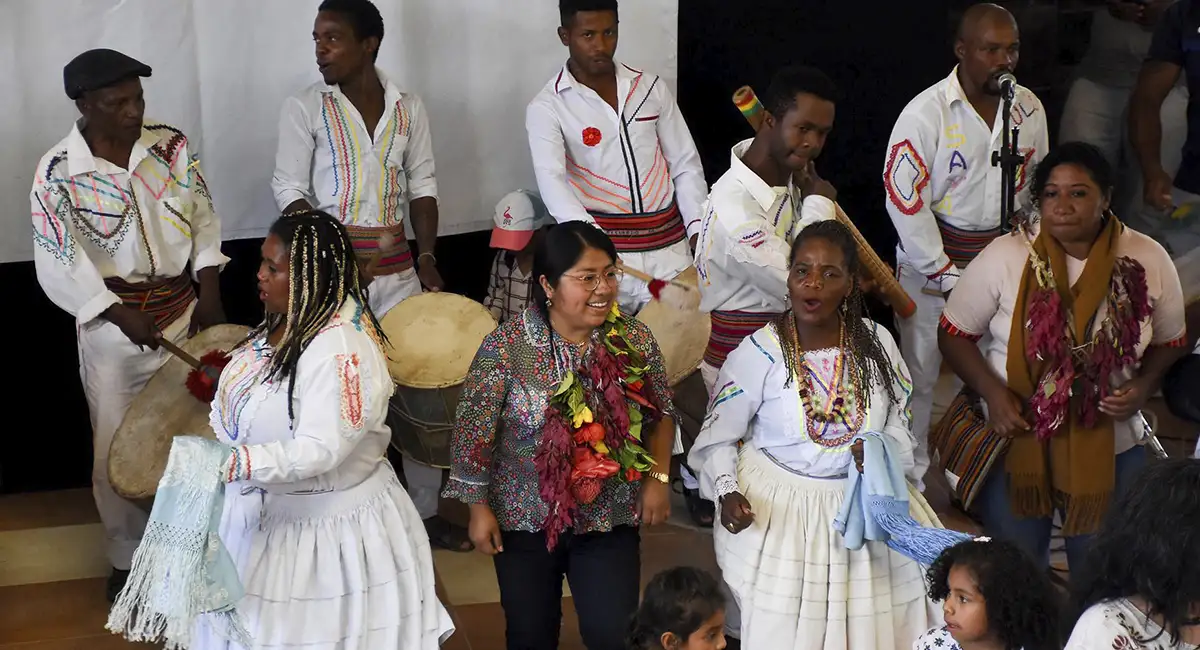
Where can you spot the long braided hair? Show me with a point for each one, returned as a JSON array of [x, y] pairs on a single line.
[[323, 273], [866, 360]]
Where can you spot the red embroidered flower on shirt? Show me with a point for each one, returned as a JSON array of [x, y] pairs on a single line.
[[591, 136]]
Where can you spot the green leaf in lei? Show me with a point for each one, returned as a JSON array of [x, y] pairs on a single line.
[[635, 423], [564, 385], [575, 401]]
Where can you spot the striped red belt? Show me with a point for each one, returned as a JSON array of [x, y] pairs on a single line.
[[729, 328], [165, 300], [394, 260], [643, 232], [962, 246]]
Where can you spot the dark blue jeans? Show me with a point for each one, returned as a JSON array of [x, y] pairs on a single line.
[[1033, 535]]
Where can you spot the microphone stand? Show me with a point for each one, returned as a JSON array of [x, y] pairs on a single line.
[[1008, 159]]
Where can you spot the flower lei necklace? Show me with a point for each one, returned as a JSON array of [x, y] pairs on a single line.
[[593, 430], [835, 410], [1081, 368]]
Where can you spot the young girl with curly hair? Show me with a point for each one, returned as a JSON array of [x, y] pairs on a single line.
[[994, 597]]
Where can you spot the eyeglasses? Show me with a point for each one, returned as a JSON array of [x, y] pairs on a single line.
[[591, 281]]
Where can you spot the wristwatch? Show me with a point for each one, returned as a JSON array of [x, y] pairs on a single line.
[[660, 477]]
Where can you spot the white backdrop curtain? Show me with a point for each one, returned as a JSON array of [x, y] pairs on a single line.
[[222, 69]]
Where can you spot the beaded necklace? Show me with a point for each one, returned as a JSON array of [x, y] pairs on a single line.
[[835, 410]]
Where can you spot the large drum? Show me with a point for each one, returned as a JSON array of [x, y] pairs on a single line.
[[682, 336], [434, 338], [164, 409]]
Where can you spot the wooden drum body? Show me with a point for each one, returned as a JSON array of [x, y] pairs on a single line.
[[164, 409], [682, 337], [434, 338]]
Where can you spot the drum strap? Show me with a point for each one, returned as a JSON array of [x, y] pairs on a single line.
[[396, 259], [643, 232], [728, 330], [165, 300]]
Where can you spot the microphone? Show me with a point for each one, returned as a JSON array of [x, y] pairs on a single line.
[[1008, 85]]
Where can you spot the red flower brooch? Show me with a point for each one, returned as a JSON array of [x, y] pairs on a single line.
[[591, 136]]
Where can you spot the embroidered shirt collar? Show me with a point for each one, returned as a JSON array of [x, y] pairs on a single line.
[[625, 76], [763, 193], [391, 92], [81, 160]]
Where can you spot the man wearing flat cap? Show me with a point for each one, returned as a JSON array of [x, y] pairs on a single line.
[[124, 229]]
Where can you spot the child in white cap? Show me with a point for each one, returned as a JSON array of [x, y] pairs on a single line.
[[520, 219]]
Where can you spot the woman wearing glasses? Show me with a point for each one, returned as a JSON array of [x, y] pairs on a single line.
[[562, 446]]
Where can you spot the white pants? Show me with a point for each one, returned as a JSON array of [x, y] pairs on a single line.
[[918, 345], [113, 371], [1096, 113], [424, 482], [664, 264]]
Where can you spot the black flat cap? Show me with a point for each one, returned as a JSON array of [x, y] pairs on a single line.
[[97, 69]]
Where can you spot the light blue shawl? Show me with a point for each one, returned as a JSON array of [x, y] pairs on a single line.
[[181, 569], [876, 507]]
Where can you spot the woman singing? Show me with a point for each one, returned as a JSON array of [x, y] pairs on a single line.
[[795, 394], [329, 548], [1084, 319], [562, 445]]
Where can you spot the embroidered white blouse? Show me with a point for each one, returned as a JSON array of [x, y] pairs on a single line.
[[340, 403], [327, 156], [939, 168], [754, 402], [94, 220], [745, 238], [1118, 625]]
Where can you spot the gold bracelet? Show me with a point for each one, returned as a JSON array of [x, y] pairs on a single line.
[[429, 254], [660, 477]]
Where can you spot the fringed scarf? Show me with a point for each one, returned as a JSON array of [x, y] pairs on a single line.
[[181, 569], [1070, 462]]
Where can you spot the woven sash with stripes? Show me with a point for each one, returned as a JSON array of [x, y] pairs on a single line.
[[396, 259], [962, 246], [643, 232], [165, 300], [729, 328]]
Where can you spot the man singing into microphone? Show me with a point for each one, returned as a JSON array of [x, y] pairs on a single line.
[[943, 193]]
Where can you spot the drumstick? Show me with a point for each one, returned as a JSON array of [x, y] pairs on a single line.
[[189, 359], [752, 109], [685, 297]]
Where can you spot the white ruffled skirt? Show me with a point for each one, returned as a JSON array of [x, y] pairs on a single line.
[[343, 570], [796, 583]]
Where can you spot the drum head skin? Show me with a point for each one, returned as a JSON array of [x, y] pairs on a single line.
[[434, 338], [682, 335], [164, 409]]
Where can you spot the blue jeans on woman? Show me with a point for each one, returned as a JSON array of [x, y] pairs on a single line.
[[1033, 534]]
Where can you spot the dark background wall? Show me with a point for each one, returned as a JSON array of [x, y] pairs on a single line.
[[881, 54]]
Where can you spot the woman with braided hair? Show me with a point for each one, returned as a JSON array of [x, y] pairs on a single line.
[[775, 451], [330, 549]]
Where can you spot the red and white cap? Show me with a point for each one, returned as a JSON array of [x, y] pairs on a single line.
[[518, 215]]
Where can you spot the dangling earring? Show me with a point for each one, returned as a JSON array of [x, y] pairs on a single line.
[[549, 303], [845, 306]]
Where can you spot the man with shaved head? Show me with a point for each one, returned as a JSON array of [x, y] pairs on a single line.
[[943, 194]]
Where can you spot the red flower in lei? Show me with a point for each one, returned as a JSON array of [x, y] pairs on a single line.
[[1112, 348], [591, 136], [592, 434]]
